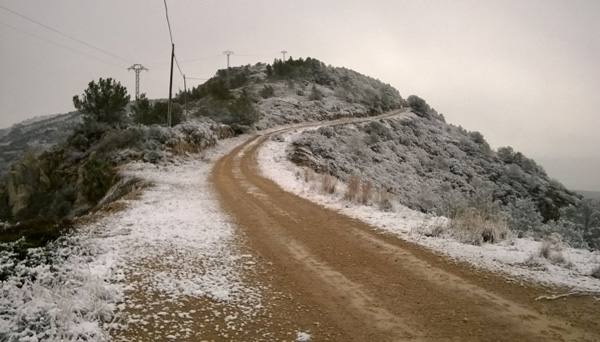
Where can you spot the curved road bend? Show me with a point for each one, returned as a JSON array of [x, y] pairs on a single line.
[[362, 285]]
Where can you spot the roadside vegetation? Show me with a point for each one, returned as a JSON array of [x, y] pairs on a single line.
[[41, 193], [433, 167]]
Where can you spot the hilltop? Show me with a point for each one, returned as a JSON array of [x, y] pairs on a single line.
[[267, 95]]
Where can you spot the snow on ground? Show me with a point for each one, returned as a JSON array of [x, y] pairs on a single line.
[[173, 241], [508, 258]]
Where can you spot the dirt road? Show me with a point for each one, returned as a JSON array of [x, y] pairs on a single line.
[[355, 284]]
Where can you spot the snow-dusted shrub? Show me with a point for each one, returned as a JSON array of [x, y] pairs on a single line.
[[267, 91], [524, 217], [569, 232], [315, 94], [596, 272], [474, 227], [53, 295], [550, 250], [435, 228], [452, 203], [384, 200], [328, 183]]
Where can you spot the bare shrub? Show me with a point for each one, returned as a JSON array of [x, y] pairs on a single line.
[[474, 227], [384, 200], [596, 272], [366, 189], [309, 175], [551, 250], [353, 188], [328, 184], [434, 228]]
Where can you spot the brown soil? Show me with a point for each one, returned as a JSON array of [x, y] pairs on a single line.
[[342, 280]]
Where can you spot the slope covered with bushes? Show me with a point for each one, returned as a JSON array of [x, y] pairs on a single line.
[[73, 177], [35, 135], [439, 168]]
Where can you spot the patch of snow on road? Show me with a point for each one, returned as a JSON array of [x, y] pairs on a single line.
[[302, 336], [508, 258]]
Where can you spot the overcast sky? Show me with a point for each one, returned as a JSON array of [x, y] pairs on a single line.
[[524, 73]]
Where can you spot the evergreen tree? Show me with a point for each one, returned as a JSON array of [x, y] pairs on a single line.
[[103, 102]]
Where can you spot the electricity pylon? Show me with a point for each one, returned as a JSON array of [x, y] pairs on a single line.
[[137, 68], [283, 53], [228, 53]]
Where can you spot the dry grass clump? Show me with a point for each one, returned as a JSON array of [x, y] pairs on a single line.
[[366, 189], [328, 184], [359, 191], [309, 175], [384, 200], [352, 189], [474, 227], [181, 147]]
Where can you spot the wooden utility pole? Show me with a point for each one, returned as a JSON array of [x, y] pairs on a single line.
[[184, 97], [169, 117]]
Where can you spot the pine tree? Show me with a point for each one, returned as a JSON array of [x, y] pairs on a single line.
[[103, 102]]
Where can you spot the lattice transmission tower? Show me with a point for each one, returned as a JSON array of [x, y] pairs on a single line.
[[228, 53], [137, 68]]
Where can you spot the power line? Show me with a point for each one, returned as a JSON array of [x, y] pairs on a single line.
[[178, 67], [64, 34], [60, 45]]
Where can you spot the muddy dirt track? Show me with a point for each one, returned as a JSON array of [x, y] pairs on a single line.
[[360, 285]]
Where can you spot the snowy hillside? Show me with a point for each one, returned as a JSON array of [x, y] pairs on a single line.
[[516, 258], [431, 166], [37, 134]]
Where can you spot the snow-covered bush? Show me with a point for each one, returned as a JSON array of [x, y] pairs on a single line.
[[267, 91], [550, 250], [51, 294], [315, 94], [569, 233], [596, 272], [475, 227], [524, 217]]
